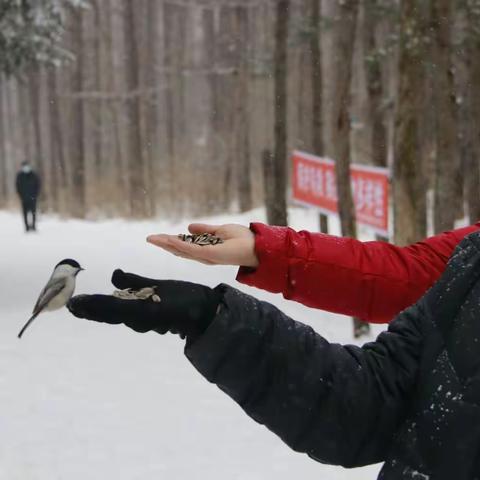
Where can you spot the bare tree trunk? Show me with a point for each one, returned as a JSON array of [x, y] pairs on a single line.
[[152, 117], [342, 74], [24, 127], [242, 113], [279, 209], [111, 150], [138, 204], [77, 198], [301, 97], [447, 187], [105, 150], [115, 81], [344, 35], [10, 126], [90, 126], [34, 100], [173, 26], [268, 169], [373, 69], [317, 90], [181, 120], [472, 129], [216, 123], [3, 152], [143, 52], [58, 170], [375, 88], [317, 78], [96, 113], [226, 111], [409, 196]]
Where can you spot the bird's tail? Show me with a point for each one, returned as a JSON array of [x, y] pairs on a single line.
[[31, 319]]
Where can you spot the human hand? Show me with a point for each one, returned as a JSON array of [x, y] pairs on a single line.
[[238, 247], [184, 308]]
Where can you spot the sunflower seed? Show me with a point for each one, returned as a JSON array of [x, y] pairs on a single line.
[[142, 294], [200, 239]]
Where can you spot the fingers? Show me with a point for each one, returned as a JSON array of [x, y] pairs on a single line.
[[174, 245], [201, 253], [202, 228], [160, 240], [139, 315], [171, 244], [95, 307], [167, 242], [124, 280]]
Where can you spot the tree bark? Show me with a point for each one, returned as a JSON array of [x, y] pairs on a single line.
[[409, 196], [152, 118], [3, 153], [98, 107], [174, 53], [136, 161], [317, 78], [344, 35], [77, 201], [472, 123], [33, 87], [342, 73], [58, 173], [268, 169], [279, 209], [242, 113], [448, 189], [375, 90], [317, 90], [90, 115]]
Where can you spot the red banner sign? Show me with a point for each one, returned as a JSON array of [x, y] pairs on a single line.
[[314, 184]]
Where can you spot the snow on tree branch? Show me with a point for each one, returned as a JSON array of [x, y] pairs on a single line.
[[31, 32]]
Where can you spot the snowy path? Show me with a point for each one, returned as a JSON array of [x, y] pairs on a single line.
[[85, 401]]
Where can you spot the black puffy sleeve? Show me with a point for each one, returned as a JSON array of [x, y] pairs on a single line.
[[339, 404]]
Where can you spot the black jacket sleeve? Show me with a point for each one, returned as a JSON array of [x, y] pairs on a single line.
[[339, 404]]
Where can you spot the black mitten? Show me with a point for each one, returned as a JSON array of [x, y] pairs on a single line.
[[184, 308]]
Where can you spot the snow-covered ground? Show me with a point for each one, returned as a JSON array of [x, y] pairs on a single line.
[[81, 401]]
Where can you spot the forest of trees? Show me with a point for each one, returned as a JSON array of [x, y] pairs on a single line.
[[176, 107]]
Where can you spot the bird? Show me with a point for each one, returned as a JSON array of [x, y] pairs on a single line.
[[58, 290]]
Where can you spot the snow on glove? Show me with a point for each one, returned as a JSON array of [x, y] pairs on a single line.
[[184, 308]]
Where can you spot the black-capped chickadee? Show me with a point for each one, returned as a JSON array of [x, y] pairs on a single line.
[[58, 290]]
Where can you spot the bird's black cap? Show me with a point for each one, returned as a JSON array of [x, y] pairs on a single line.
[[69, 261]]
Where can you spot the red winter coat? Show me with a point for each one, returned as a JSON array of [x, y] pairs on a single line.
[[370, 280]]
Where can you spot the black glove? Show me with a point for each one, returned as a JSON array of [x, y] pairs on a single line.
[[184, 308]]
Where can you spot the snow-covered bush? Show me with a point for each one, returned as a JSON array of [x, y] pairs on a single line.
[[31, 32]]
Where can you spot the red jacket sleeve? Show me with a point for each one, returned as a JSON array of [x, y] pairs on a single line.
[[370, 280]]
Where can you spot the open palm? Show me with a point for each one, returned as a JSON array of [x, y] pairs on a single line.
[[238, 247]]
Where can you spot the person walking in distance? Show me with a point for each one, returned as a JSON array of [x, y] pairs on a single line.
[[28, 189]]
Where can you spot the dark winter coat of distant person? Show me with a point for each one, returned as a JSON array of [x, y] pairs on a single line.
[[28, 189]]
